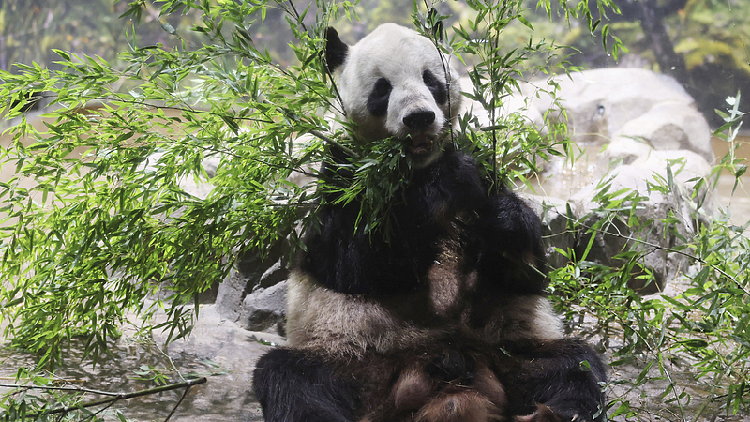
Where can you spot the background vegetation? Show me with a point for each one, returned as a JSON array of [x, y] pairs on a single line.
[[702, 43], [96, 225]]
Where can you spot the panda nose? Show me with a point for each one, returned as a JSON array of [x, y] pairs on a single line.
[[419, 119]]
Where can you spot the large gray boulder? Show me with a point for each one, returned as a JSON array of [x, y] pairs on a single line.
[[603, 104], [253, 295], [636, 130]]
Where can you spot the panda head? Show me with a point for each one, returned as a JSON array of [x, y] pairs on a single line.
[[396, 83]]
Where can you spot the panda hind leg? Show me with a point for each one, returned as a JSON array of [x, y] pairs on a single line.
[[553, 374], [297, 386]]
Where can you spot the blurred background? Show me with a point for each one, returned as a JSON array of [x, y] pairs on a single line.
[[703, 44]]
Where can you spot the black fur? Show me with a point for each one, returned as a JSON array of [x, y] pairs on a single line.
[[377, 101], [496, 232], [553, 373], [294, 386], [450, 364], [437, 88], [550, 372], [336, 50]]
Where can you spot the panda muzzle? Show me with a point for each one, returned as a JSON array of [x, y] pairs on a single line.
[[421, 144]]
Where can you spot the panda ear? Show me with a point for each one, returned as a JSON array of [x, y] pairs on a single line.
[[336, 50]]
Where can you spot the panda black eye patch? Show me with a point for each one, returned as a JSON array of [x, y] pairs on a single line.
[[377, 102], [437, 88]]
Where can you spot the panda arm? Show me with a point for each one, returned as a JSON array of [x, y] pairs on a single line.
[[505, 235], [336, 256], [353, 262], [512, 252]]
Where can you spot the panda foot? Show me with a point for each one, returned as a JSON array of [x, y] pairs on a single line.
[[459, 406]]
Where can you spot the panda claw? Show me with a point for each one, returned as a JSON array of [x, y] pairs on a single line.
[[542, 414]]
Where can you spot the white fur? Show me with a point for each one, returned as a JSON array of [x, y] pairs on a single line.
[[523, 316], [343, 324]]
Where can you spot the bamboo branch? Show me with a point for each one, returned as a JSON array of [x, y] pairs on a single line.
[[330, 141], [174, 409], [655, 247], [56, 388], [112, 397]]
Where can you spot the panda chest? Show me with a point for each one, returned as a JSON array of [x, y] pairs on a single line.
[[451, 278]]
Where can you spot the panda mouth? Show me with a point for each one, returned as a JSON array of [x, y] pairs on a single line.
[[421, 144]]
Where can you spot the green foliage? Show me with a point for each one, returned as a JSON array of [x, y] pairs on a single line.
[[97, 217], [495, 77], [32, 29], [44, 395], [697, 340], [713, 33], [98, 223], [373, 174], [105, 221]]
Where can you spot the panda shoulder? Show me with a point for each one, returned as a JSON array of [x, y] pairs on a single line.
[[460, 174]]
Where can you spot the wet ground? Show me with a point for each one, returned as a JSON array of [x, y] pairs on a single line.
[[217, 350], [225, 355]]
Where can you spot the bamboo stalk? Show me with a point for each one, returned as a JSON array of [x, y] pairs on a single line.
[[112, 397]]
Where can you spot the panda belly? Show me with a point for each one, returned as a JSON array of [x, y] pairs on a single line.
[[449, 301], [343, 324]]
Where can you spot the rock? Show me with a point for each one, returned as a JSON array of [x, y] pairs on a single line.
[[249, 279], [686, 167], [648, 233], [621, 151], [265, 308], [227, 395], [672, 126], [631, 125], [619, 95], [602, 104]]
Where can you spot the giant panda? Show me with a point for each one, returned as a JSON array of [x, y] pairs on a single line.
[[446, 319]]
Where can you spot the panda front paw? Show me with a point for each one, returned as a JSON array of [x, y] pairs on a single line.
[[512, 254], [517, 228]]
